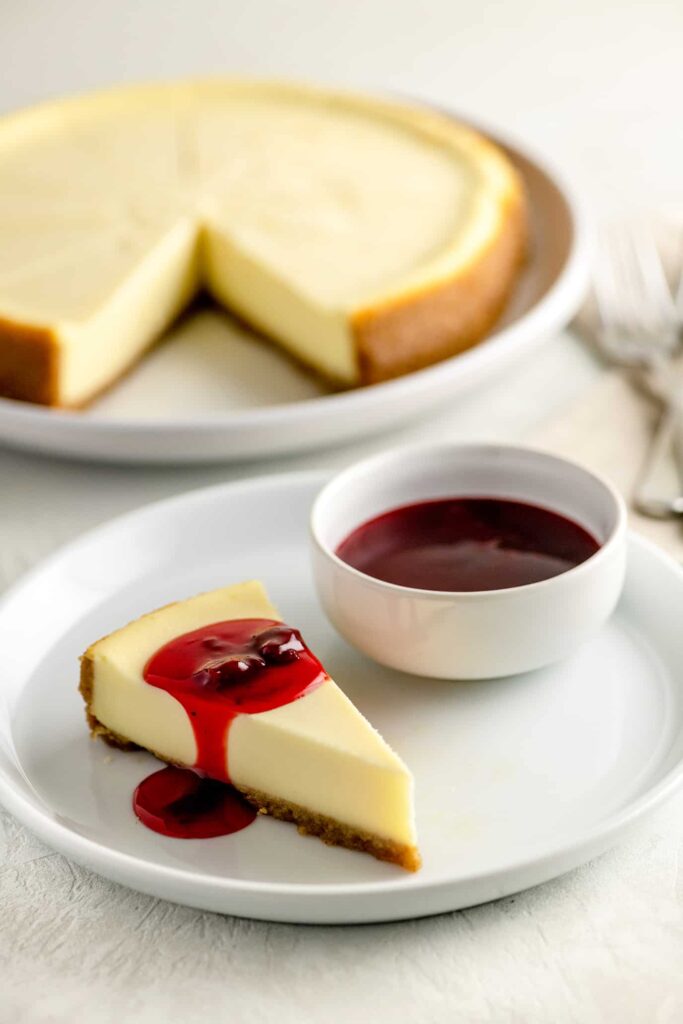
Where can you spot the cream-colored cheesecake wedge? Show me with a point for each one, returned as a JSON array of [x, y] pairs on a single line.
[[315, 761], [366, 238]]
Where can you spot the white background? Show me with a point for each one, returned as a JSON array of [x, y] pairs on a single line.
[[599, 86]]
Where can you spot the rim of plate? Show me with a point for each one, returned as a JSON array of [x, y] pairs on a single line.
[[67, 841], [545, 315]]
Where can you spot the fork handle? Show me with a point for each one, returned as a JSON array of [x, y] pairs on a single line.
[[659, 489]]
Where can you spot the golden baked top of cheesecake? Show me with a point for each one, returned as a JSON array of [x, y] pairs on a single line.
[[366, 237]]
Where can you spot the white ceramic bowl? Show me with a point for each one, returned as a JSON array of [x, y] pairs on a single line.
[[468, 635]]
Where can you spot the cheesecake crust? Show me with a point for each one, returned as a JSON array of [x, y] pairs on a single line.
[[309, 823], [333, 832], [397, 337], [29, 363]]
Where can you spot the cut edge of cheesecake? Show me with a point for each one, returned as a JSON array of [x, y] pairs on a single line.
[[439, 312], [390, 338], [309, 822]]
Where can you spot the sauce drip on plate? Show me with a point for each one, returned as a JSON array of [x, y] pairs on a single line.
[[179, 803]]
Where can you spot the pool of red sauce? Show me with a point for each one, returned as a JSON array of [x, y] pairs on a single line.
[[467, 544], [216, 673], [178, 802]]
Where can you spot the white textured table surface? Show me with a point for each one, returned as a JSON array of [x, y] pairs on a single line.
[[599, 89]]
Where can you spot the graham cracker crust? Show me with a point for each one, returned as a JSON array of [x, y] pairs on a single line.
[[333, 832], [308, 823], [443, 320], [28, 363]]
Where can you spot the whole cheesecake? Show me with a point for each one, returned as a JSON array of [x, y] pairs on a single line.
[[366, 238], [218, 683]]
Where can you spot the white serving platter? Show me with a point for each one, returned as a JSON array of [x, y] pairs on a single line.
[[517, 779]]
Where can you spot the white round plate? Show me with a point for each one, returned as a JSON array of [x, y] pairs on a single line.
[[517, 779], [214, 392]]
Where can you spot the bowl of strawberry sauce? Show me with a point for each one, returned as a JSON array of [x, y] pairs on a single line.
[[468, 561]]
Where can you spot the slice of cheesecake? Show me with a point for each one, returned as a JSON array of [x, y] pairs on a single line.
[[366, 238], [218, 683]]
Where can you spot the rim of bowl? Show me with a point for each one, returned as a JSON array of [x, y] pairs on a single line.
[[616, 535]]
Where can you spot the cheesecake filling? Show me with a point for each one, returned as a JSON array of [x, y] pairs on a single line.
[[226, 669], [218, 683]]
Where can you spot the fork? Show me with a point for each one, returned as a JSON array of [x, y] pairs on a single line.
[[639, 328]]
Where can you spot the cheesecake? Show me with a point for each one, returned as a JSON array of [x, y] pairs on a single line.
[[220, 684], [366, 238]]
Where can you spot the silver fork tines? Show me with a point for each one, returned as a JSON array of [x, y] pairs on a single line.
[[639, 322], [639, 327]]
